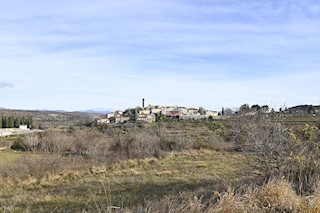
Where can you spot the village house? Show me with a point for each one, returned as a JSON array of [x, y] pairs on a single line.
[[145, 112], [103, 121], [164, 110], [173, 113], [212, 113], [110, 115], [148, 114], [155, 110], [182, 110], [193, 111], [146, 118]]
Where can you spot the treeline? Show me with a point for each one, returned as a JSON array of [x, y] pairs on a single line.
[[15, 122]]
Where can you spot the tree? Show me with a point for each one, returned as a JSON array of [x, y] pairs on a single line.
[[132, 113], [311, 110], [255, 108], [11, 122], [0, 122], [6, 122], [228, 112], [17, 122], [30, 122], [265, 108], [202, 111], [245, 108], [279, 150]]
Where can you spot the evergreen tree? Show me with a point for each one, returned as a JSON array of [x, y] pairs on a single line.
[[17, 122], [11, 122], [0, 122], [6, 122], [23, 121], [3, 122], [30, 122]]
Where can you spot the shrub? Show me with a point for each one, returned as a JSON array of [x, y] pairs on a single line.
[[31, 141], [279, 150], [136, 144], [56, 142], [19, 145], [29, 166], [90, 143]]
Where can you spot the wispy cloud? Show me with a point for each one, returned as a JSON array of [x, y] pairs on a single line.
[[166, 50], [4, 84]]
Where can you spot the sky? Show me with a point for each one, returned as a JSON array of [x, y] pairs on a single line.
[[109, 54]]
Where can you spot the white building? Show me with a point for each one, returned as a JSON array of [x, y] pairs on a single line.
[[182, 110], [155, 110], [212, 113], [103, 121], [110, 115], [23, 127], [144, 112]]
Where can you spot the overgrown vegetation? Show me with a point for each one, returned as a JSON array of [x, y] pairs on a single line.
[[249, 163], [277, 150]]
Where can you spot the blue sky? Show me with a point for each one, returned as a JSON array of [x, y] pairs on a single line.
[[77, 55]]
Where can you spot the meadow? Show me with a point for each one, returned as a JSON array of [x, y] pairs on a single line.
[[194, 166]]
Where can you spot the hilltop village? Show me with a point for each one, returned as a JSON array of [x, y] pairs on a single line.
[[156, 113]]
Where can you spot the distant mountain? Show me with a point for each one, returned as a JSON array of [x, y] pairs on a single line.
[[97, 111]]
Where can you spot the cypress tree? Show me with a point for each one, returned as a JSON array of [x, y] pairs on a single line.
[[11, 122], [17, 122], [6, 122]]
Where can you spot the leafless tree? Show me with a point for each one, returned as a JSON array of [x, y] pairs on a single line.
[[55, 141], [277, 149]]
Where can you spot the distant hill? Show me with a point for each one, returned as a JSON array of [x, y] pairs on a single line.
[[304, 110], [97, 111], [47, 119]]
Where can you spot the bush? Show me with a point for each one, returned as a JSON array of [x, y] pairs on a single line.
[[136, 144], [19, 145], [277, 150], [91, 143], [56, 142], [214, 142], [28, 166]]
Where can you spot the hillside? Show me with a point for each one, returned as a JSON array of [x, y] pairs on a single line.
[[46, 119]]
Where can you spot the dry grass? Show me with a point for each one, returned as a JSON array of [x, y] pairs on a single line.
[[275, 196], [191, 181], [128, 183], [9, 156]]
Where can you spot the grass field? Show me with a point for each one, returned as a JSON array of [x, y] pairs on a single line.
[[9, 156], [125, 184]]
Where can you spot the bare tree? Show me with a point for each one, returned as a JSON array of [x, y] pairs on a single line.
[[31, 141], [276, 149], [56, 142]]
